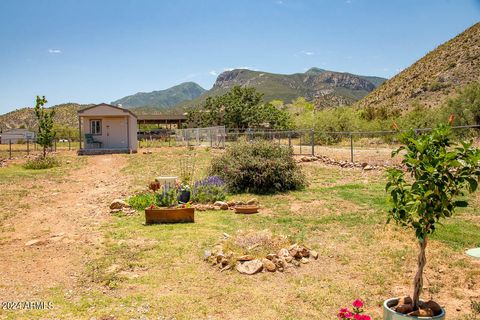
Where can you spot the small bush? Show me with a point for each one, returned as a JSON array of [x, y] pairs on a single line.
[[142, 200], [41, 163], [209, 190], [258, 167]]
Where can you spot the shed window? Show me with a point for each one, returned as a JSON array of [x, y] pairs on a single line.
[[96, 127]]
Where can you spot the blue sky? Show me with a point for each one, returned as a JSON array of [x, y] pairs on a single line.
[[92, 51]]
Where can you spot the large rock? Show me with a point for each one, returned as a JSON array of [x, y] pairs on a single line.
[[119, 204], [252, 201], [283, 253], [250, 267], [222, 205], [269, 265]]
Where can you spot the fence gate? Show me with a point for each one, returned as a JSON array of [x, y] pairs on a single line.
[[213, 137]]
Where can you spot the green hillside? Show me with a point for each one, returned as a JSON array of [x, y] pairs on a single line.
[[65, 115], [161, 100]]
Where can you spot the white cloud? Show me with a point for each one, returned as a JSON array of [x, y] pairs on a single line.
[[213, 73], [307, 53], [55, 51]]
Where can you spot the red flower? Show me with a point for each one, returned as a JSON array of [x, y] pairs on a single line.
[[358, 303], [344, 314]]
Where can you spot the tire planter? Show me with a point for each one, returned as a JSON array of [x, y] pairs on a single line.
[[169, 215], [389, 314]]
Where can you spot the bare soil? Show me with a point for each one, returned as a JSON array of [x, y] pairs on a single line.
[[65, 218]]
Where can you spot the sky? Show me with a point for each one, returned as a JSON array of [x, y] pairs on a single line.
[[93, 51]]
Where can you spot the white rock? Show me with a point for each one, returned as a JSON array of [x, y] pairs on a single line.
[[250, 267]]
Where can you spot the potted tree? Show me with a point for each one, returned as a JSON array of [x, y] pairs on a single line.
[[165, 208], [439, 172]]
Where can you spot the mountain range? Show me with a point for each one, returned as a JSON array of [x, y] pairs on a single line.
[[323, 87]]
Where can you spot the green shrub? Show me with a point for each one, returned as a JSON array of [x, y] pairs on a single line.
[[258, 166], [209, 190], [142, 200], [41, 163]]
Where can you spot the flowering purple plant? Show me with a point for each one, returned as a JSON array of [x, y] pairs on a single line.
[[210, 181], [355, 313], [210, 189]]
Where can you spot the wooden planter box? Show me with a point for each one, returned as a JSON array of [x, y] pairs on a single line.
[[169, 215]]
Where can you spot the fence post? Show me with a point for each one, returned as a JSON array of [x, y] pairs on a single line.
[[69, 144], [28, 146], [10, 149], [313, 142], [289, 139], [351, 147]]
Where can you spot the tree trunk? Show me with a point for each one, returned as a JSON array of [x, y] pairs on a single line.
[[44, 151], [418, 282]]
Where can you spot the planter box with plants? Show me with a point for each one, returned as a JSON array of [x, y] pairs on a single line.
[[439, 173], [165, 208]]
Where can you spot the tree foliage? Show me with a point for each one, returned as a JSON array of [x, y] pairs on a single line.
[[46, 134], [440, 171], [240, 108], [467, 105]]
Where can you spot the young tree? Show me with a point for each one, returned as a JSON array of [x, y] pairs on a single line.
[[440, 172], [45, 134]]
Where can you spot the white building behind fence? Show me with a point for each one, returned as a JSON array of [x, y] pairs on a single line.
[[16, 136]]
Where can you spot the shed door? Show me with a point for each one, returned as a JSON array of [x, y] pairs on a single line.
[[116, 133]]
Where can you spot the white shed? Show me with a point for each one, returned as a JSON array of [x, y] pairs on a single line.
[[105, 128], [16, 136]]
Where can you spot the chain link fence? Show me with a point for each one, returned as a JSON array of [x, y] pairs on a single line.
[[371, 147], [213, 137]]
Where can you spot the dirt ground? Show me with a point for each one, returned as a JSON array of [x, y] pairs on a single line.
[[64, 224]]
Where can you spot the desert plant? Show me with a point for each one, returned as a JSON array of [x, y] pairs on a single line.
[[46, 134], [41, 163], [441, 171], [258, 166], [209, 190], [142, 200]]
